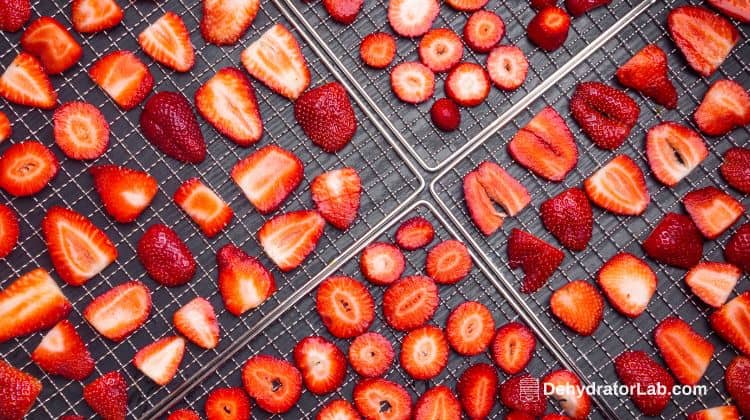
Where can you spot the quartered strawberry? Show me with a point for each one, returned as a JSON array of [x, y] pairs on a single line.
[[90, 16], [619, 187], [26, 168], [119, 311], [477, 390], [289, 238], [183, 414], [703, 37], [338, 410], [424, 352], [63, 352], [124, 192], [545, 146], [735, 169], [483, 30], [737, 382], [25, 83], [723, 412], [507, 66], [467, 5], [537, 259], [517, 393], [52, 44], [636, 369], [673, 151], [345, 306], [468, 84], [712, 210], [244, 283], [568, 391], [675, 241], [738, 9], [275, 384], [322, 364], [377, 50], [713, 282], [124, 77], [490, 185], [445, 114], [414, 233], [227, 101], [108, 396], [513, 347], [448, 262], [470, 328], [568, 216], [647, 72], [81, 131], [205, 207], [437, 403], [225, 22], [276, 60], [412, 82], [412, 18], [197, 322], [9, 230], [377, 398], [725, 107], [371, 355], [31, 303], [227, 404], [567, 301], [326, 116], [160, 359], [410, 302], [580, 7], [737, 250], [628, 283], [19, 391], [604, 113], [268, 176], [686, 353], [6, 129], [732, 322], [548, 30], [382, 263], [14, 14], [167, 41], [166, 258], [440, 49], [168, 123], [343, 11]]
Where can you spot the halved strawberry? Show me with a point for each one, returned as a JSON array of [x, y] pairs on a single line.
[[14, 14], [569, 218], [467, 5], [6, 129], [537, 259], [647, 72], [165, 256], [628, 283], [605, 114], [437, 403], [268, 176], [713, 282], [513, 347], [725, 107], [9, 230], [20, 391], [712, 210], [336, 196], [181, 414], [107, 395], [124, 192], [275, 384], [343, 11], [326, 116], [412, 82], [227, 404], [507, 66], [488, 185], [567, 301], [737, 249], [196, 320], [735, 169], [167, 41], [724, 412], [49, 41], [204, 206], [738, 9], [737, 382], [119, 311], [345, 306], [224, 22], [382, 263], [371, 355], [410, 302], [549, 29], [440, 49], [619, 187], [322, 364], [675, 241], [81, 131], [289, 238], [424, 352], [686, 352], [377, 398], [469, 328], [703, 37], [377, 50], [636, 369], [468, 84], [732, 322], [412, 18], [567, 389], [414, 233], [90, 16], [523, 393], [483, 30], [124, 77], [63, 352], [448, 262], [25, 83], [673, 151], [338, 410], [244, 283], [477, 390], [160, 359]]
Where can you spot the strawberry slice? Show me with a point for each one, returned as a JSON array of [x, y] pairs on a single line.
[[124, 192], [713, 282], [636, 369], [160, 359], [424, 352], [244, 283], [737, 249], [52, 44], [518, 393], [686, 352], [513, 347], [410, 302], [197, 322], [63, 352], [268, 176], [382, 263], [276, 60], [448, 262], [470, 328], [79, 249], [437, 402], [724, 412], [619, 187], [468, 84], [9, 230], [31, 303], [343, 11], [735, 169], [227, 101], [647, 72], [566, 304], [25, 83], [204, 206], [20, 391], [276, 385], [568, 216], [377, 398], [467, 5], [322, 364], [725, 107], [736, 380], [377, 50], [738, 9], [167, 41], [549, 29], [227, 404], [712, 210], [337, 410], [371, 355], [336, 196], [6, 129], [345, 306], [14, 14], [124, 77], [440, 49], [628, 283], [81, 131], [108, 395], [675, 241], [732, 322], [703, 37], [183, 414], [289, 238], [536, 258], [90, 16], [477, 390], [412, 18], [568, 391], [488, 185], [412, 82], [673, 151], [414, 233], [483, 30], [224, 22], [119, 311], [507, 66]]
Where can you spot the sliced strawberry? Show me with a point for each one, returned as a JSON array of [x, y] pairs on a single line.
[[507, 66], [605, 114], [275, 384], [224, 22], [81, 131], [268, 176], [488, 185], [549, 29], [619, 187], [703, 37], [377, 50], [371, 355], [448, 262], [675, 241], [477, 390], [412, 82], [227, 404], [424, 352], [382, 263], [568, 216], [636, 369], [732, 322], [14, 14], [108, 395], [377, 398], [724, 412], [725, 107], [685, 351], [712, 210], [468, 84], [647, 72], [322, 364], [90, 16], [412, 18], [124, 77], [445, 114], [713, 282], [338, 410], [204, 206], [410, 302], [567, 389], [197, 322], [183, 414], [119, 311], [566, 304], [737, 250], [160, 359], [469, 328], [63, 352], [345, 306], [343, 11], [467, 5], [336, 195], [414, 233], [673, 151], [289, 238], [628, 283], [124, 192], [440, 49], [49, 41], [513, 347], [735, 169], [519, 393], [6, 129], [483, 30], [20, 391], [737, 382], [244, 283], [25, 83], [738, 9], [167, 41], [9, 230], [437, 403], [580, 7], [536, 258]]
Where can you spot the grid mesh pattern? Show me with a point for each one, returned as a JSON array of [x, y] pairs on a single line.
[[387, 180], [613, 234]]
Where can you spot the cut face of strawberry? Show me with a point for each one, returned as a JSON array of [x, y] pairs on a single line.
[[275, 384], [703, 37], [20, 391], [513, 347], [568, 216], [25, 83], [224, 22], [713, 282], [412, 18], [724, 412], [507, 66], [467, 5], [468, 84], [167, 41], [414, 233], [483, 30], [377, 50], [424, 352], [108, 395], [738, 9], [725, 107], [9, 230], [26, 168], [81, 131], [90, 16], [227, 404], [381, 398], [440, 49], [566, 304], [604, 113], [289, 238], [549, 29], [673, 151], [197, 322], [619, 187], [412, 82], [437, 402], [469, 328], [268, 176], [345, 306], [337, 410], [205, 207], [121, 310], [448, 262], [124, 77], [161, 359], [182, 414], [6, 129], [636, 368], [647, 72], [488, 185], [536, 258], [322, 364], [477, 390], [686, 352], [124, 192], [49, 41], [566, 384], [712, 210], [244, 283], [732, 322], [382, 263], [410, 302], [628, 283], [735, 169], [675, 241], [371, 355]]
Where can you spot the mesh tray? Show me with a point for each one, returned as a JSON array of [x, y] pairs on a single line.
[[388, 181], [613, 234]]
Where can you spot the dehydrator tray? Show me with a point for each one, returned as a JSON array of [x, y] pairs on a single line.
[[613, 234]]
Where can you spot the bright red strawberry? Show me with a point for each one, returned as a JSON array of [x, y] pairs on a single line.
[[619, 187], [703, 37], [491, 185], [183, 414], [345, 306], [289, 238], [713, 282], [63, 352], [467, 5], [14, 14], [568, 216], [52, 44], [732, 322], [343, 11], [244, 283], [448, 262], [738, 9], [19, 391], [445, 115], [412, 18], [470, 328], [483, 30], [167, 41], [160, 359], [25, 83], [636, 368], [513, 347], [737, 382], [537, 259], [628, 283], [440, 49], [326, 116], [725, 107], [268, 176], [414, 233], [81, 131], [382, 263], [686, 352], [377, 50], [124, 192], [604, 113], [675, 241], [712, 210], [9, 230], [338, 410], [227, 404], [735, 169], [322, 364], [168, 123], [166, 258], [647, 72], [673, 151], [124, 77], [76, 417], [275, 384], [548, 30], [224, 22], [566, 388], [724, 412], [205, 207], [119, 311], [6, 129], [377, 398], [371, 355], [197, 322], [477, 390], [26, 168], [108, 396], [31, 303], [412, 82], [437, 403], [468, 84], [336, 195], [580, 7], [515, 395], [410, 302], [545, 146], [90, 16], [737, 250], [507, 66], [424, 352], [567, 301]]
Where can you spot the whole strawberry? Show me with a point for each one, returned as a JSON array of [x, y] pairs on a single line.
[[326, 116], [569, 218], [675, 241], [169, 123], [14, 14], [636, 368], [166, 258], [737, 381], [737, 250], [736, 168]]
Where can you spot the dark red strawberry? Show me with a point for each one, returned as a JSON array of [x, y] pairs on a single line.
[[548, 30], [513, 347], [619, 187], [119, 311], [568, 216], [412, 82], [507, 66], [518, 393], [686, 352], [675, 241], [537, 259], [732, 322], [437, 403], [160, 360], [448, 262], [713, 282], [244, 283], [168, 122], [636, 368], [424, 352], [567, 301], [712, 210], [735, 169], [412, 18], [336, 195], [647, 72], [338, 410], [9, 230], [483, 30], [673, 151], [380, 398], [326, 116], [382, 263], [165, 256], [737, 382], [725, 107], [477, 390], [414, 233], [541, 4], [580, 7], [14, 14], [108, 396], [704, 37], [737, 250], [468, 84], [604, 113], [204, 206], [25, 83], [738, 9], [123, 76], [48, 40], [289, 238], [410, 302], [26, 168], [322, 364], [371, 355], [227, 404], [275, 384], [167, 41], [19, 392], [491, 185], [628, 283], [724, 412], [343, 11], [197, 322], [440, 49], [377, 50], [567, 389], [63, 352], [224, 23], [469, 328], [345, 306], [267, 177]]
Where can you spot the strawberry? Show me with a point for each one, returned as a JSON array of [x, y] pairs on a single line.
[[322, 364], [289, 238], [636, 369], [9, 230], [6, 129], [410, 302], [440, 49], [371, 355], [166, 258], [517, 393], [448, 262], [377, 50], [204, 206], [732, 322], [25, 83], [713, 282], [675, 241], [244, 283], [513, 347], [488, 185], [336, 195], [647, 72], [345, 306], [686, 352], [90, 16], [167, 41], [227, 101], [168, 123], [377, 398], [712, 210], [541, 4], [124, 77], [548, 30], [326, 116], [63, 352], [268, 176], [735, 169], [412, 18], [224, 22], [197, 322], [19, 391], [738, 9], [81, 131], [160, 359], [276, 60], [437, 403], [414, 233], [477, 390], [673, 151], [183, 414], [703, 37], [537, 259], [736, 380], [445, 114], [76, 417], [227, 404], [567, 301], [619, 187], [107, 395], [566, 387], [412, 82], [628, 283], [725, 107], [580, 7], [275, 384], [469, 328], [604, 113], [338, 410], [737, 250], [343, 11], [121, 310], [124, 192], [568, 216], [483, 30], [545, 146], [14, 14], [468, 84], [507, 66], [724, 412], [382, 263], [52, 44], [467, 5]]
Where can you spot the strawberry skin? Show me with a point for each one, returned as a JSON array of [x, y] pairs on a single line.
[[566, 304], [628, 283], [345, 306], [49, 41], [445, 114], [160, 359], [336, 196], [63, 352], [124, 77], [276, 385], [268, 176], [25, 83], [536, 258], [686, 352], [124, 192], [322, 364], [735, 169], [165, 256], [6, 129], [326, 116], [568, 216], [619, 187], [513, 347], [514, 394], [636, 368], [647, 72], [675, 241], [289, 238], [477, 390], [732, 322], [737, 250], [14, 14], [549, 29], [168, 122], [725, 107], [712, 210], [119, 311], [713, 282], [343, 11], [167, 41], [18, 391], [9, 230], [108, 396], [580, 7], [673, 151], [224, 22], [205, 207], [604, 113], [244, 283], [737, 382], [197, 322], [424, 352], [703, 37]]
